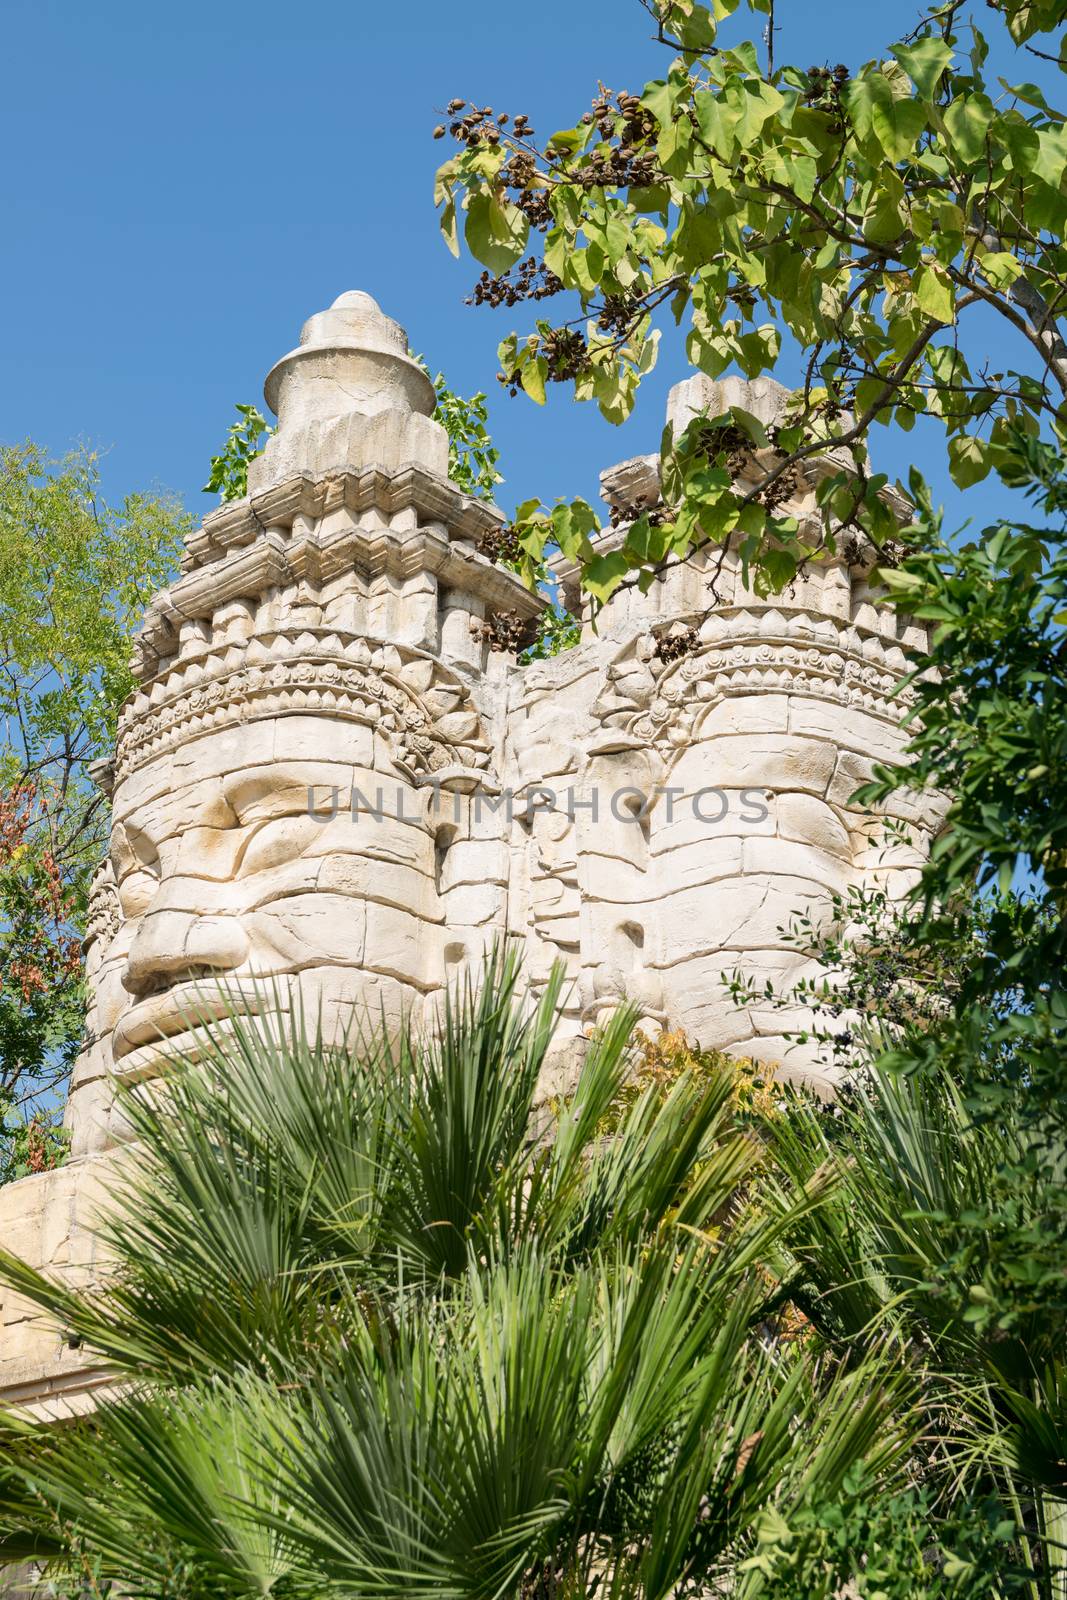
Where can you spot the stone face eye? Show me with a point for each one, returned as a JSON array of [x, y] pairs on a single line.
[[137, 869], [137, 890], [277, 841]]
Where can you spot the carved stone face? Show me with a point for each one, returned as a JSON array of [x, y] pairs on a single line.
[[223, 876]]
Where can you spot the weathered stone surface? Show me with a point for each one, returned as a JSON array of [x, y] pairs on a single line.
[[330, 793]]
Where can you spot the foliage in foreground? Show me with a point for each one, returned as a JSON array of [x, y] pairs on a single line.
[[960, 1003], [853, 227], [375, 1338]]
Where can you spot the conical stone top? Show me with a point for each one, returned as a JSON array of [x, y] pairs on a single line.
[[350, 358], [348, 396]]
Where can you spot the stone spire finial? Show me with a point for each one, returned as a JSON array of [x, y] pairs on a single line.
[[350, 358], [351, 523], [349, 395]]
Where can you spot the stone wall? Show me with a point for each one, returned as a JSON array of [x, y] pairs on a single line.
[[651, 807]]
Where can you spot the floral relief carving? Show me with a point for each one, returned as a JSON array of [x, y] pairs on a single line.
[[365, 693]]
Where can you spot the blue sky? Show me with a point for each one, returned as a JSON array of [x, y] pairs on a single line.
[[186, 184]]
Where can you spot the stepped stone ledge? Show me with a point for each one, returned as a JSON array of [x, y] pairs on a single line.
[[651, 807]]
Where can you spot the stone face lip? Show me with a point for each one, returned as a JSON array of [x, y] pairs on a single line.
[[350, 358]]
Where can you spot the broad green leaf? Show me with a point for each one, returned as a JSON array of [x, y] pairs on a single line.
[[569, 139], [496, 234], [897, 125], [718, 122], [967, 123], [884, 220], [862, 95], [932, 288], [449, 226], [1022, 142], [751, 427], [604, 573], [533, 379], [968, 460], [697, 30], [780, 568], [662, 98], [707, 351], [924, 63], [754, 102], [1051, 155], [1000, 267]]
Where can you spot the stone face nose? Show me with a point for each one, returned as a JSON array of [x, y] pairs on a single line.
[[351, 358], [169, 943]]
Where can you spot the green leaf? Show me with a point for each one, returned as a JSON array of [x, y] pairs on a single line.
[[569, 139], [924, 63], [967, 123], [708, 352], [751, 427], [449, 226], [697, 31], [718, 122], [661, 98], [779, 567], [897, 125], [1051, 160], [932, 288], [603, 574], [533, 379], [496, 234], [1000, 267], [862, 94], [968, 459], [753, 102], [884, 221], [1021, 141]]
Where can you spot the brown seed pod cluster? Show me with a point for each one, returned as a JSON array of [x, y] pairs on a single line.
[[632, 161], [527, 280], [617, 167], [736, 450], [529, 191], [727, 441], [501, 545], [506, 632], [623, 116], [566, 356], [673, 646], [824, 92], [743, 296], [782, 489], [617, 314], [566, 352], [474, 126], [622, 515]]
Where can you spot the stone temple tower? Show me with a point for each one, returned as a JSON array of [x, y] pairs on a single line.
[[330, 789]]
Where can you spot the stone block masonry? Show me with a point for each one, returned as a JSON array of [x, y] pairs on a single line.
[[650, 817]]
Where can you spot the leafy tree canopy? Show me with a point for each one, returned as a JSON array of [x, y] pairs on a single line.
[[75, 575], [866, 214]]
